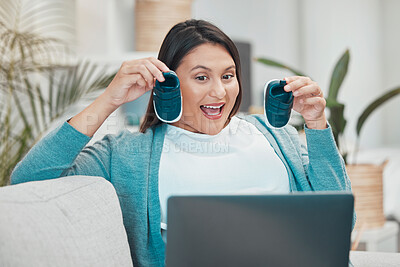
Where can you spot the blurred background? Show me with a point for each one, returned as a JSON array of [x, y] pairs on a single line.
[[309, 35], [56, 56]]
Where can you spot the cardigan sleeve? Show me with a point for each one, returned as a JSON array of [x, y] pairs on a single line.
[[62, 153], [324, 166]]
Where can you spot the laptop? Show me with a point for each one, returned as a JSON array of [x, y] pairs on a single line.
[[298, 229]]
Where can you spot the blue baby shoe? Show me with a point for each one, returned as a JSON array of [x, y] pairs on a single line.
[[167, 98], [277, 103]]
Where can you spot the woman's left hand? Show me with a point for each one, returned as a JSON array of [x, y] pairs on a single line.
[[308, 100]]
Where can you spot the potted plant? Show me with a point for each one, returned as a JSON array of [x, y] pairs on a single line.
[[38, 81], [366, 178]]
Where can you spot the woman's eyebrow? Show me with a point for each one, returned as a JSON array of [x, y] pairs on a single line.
[[206, 68], [200, 67], [230, 67]]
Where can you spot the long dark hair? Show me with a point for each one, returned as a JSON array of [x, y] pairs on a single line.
[[178, 42]]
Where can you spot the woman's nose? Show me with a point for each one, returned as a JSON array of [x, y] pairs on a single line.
[[218, 90]]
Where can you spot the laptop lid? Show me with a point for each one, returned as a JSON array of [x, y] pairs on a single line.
[[300, 229]]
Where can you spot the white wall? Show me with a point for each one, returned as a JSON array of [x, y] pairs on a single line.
[[104, 27], [391, 71], [311, 35], [329, 27], [307, 34]]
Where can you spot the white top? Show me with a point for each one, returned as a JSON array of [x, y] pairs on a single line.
[[238, 160]]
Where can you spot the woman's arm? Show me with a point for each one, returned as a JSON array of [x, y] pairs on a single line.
[[324, 166], [322, 161], [133, 79], [62, 151]]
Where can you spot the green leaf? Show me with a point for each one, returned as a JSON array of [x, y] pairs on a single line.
[[338, 75], [50, 93], [332, 103], [30, 91], [336, 116], [42, 103], [13, 41], [273, 63], [337, 121], [22, 113], [373, 106]]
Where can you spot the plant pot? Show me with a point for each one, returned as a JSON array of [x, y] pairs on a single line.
[[367, 186], [154, 18]]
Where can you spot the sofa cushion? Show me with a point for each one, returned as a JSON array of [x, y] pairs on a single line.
[[69, 221], [374, 259]]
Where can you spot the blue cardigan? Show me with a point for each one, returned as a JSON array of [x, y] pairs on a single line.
[[130, 161]]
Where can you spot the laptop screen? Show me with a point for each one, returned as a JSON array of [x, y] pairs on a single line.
[[299, 229]]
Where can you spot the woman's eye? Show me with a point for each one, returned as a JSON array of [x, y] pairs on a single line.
[[227, 76], [201, 78]]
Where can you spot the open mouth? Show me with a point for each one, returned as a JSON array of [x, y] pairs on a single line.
[[213, 111]]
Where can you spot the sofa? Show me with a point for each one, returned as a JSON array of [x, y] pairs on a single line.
[[77, 221], [69, 221]]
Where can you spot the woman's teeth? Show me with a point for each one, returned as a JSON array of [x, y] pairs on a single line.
[[211, 110], [212, 106]]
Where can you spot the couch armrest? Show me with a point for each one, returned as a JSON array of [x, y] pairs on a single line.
[[69, 221], [374, 259]]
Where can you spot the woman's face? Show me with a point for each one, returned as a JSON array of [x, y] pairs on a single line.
[[209, 88]]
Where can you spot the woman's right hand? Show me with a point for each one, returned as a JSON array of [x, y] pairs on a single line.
[[133, 79]]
